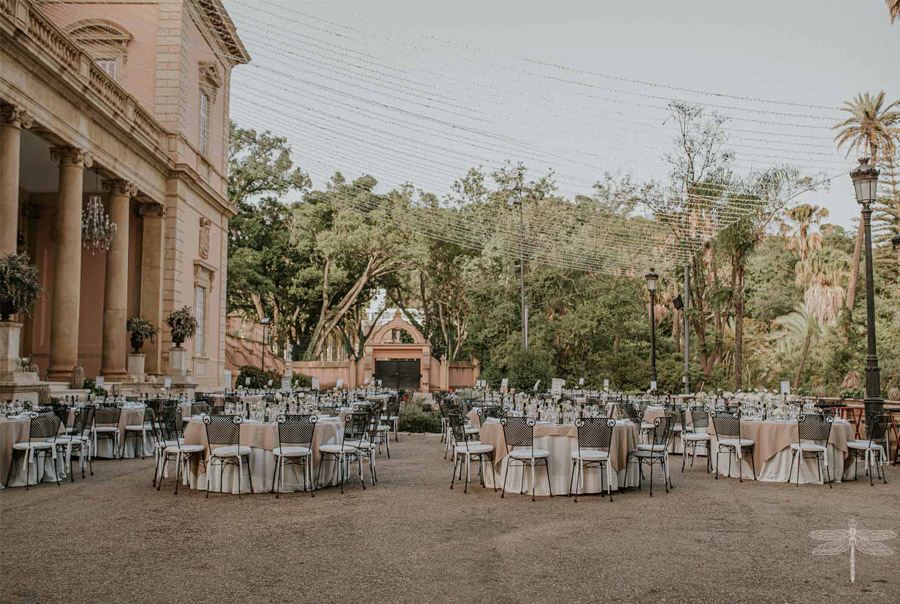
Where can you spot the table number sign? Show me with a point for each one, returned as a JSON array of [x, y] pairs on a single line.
[[785, 387], [246, 381], [315, 383], [270, 383], [556, 386], [606, 384], [285, 384], [99, 381], [581, 381], [167, 383], [536, 384], [228, 378], [340, 383]]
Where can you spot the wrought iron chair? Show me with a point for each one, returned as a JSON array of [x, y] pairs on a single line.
[[43, 429], [488, 412], [147, 425], [728, 436], [106, 426], [172, 447], [518, 432], [691, 436], [224, 433], [813, 432], [594, 440], [78, 437], [656, 451], [392, 416], [874, 449], [295, 437], [355, 426], [466, 449]]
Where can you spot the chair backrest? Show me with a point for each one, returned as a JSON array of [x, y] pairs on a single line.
[[170, 422], [458, 429], [633, 412], [393, 406], [490, 411], [518, 431], [815, 428], [595, 432], [662, 428], [199, 408], [296, 429], [223, 429], [699, 418], [84, 420], [355, 425], [43, 426], [62, 412], [727, 424], [107, 416], [878, 434]]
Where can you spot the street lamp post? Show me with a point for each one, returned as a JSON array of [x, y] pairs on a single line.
[[265, 323], [865, 184], [652, 278]]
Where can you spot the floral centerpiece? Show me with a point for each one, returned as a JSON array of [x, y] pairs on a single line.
[[182, 324], [141, 330]]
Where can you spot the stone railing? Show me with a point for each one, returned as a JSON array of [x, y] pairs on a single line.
[[104, 91]]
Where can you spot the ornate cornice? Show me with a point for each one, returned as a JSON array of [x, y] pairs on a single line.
[[15, 116], [151, 210], [73, 156], [120, 186]]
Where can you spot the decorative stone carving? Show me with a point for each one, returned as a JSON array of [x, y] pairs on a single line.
[[71, 155], [204, 237], [210, 79], [120, 186], [152, 210], [77, 382], [16, 116]]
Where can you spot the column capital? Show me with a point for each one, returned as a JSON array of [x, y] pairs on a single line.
[[120, 186], [16, 116], [152, 210], [74, 156]]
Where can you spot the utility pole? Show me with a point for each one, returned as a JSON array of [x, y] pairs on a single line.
[[522, 272], [687, 327]]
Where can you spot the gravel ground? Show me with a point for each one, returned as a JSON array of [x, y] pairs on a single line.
[[411, 539]]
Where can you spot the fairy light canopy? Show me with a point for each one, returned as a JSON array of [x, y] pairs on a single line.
[[359, 97]]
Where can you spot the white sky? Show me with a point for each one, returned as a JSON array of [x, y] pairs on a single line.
[[444, 106]]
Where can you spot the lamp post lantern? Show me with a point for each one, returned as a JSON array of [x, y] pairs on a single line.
[[265, 323], [865, 184], [652, 279]]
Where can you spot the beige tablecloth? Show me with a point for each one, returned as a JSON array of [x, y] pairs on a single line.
[[130, 416], [14, 431], [625, 439], [771, 437]]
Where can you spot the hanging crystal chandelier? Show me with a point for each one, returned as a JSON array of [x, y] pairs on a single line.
[[97, 232]]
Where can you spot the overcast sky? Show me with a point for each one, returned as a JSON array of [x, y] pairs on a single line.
[[445, 83]]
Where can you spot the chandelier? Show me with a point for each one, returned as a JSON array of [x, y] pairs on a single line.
[[97, 232]]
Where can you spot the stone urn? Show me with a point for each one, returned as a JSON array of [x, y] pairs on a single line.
[[10, 334], [77, 382]]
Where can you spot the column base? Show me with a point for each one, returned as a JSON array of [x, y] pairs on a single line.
[[60, 374]]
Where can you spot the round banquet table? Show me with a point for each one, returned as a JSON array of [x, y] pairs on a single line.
[[131, 416], [262, 438], [560, 440], [772, 453], [15, 430]]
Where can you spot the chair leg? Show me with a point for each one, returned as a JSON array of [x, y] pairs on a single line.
[[455, 461], [179, 460], [275, 477], [493, 474], [651, 477], [505, 475], [468, 465], [572, 479], [547, 468]]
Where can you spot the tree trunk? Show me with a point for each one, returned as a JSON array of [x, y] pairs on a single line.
[[739, 329], [854, 267], [803, 356]]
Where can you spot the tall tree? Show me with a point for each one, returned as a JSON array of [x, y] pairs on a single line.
[[869, 130]]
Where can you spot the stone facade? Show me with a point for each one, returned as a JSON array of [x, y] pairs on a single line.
[[128, 101]]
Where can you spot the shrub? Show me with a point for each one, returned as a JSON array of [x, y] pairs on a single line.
[[528, 366], [298, 380], [258, 377], [20, 285], [419, 417]]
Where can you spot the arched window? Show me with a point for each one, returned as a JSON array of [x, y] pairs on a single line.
[[105, 42]]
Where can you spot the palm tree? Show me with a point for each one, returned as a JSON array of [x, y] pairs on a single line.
[[870, 129], [894, 7], [796, 329], [805, 216]]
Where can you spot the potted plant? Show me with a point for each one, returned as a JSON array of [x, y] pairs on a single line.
[[20, 285], [141, 330], [182, 324]]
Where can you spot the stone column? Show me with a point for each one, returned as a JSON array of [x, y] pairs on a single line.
[[115, 296], [12, 120], [152, 278], [66, 296]]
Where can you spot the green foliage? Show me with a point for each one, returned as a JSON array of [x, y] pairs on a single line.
[[141, 328], [527, 367], [20, 284], [298, 380], [258, 377], [182, 324], [418, 417]]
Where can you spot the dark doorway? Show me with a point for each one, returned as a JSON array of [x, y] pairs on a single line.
[[398, 374]]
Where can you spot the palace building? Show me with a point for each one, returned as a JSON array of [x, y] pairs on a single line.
[[128, 102]]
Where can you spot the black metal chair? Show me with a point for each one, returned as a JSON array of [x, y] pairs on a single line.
[[355, 429], [728, 436], [106, 426], [224, 433], [392, 416], [295, 437], [172, 447], [691, 436], [813, 432], [518, 433], [140, 430], [594, 440], [876, 446], [43, 429], [489, 412], [466, 449], [656, 451], [77, 437]]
